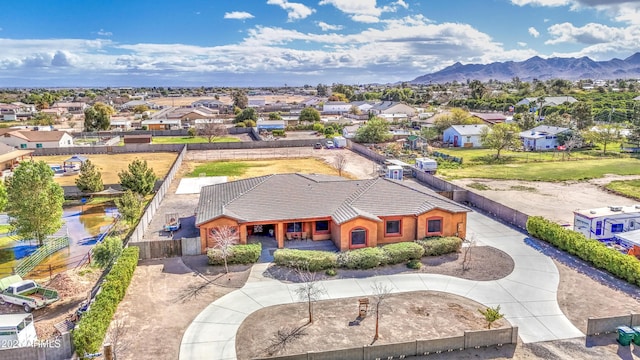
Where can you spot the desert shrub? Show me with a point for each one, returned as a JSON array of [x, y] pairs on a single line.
[[239, 254], [249, 123], [312, 260], [402, 252], [278, 133], [90, 331], [331, 272], [435, 246], [414, 264], [365, 258], [240, 125], [621, 265]]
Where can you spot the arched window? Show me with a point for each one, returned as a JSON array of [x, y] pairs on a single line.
[[358, 238]]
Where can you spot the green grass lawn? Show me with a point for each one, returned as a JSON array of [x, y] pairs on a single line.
[[629, 188], [222, 168], [189, 140], [548, 171], [484, 156]]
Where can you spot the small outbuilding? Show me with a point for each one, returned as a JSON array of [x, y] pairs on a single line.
[[463, 135], [137, 139]]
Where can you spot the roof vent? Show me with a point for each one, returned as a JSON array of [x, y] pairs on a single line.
[[592, 211], [615, 208]]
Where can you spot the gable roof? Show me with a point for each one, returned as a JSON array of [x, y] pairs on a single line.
[[491, 118], [35, 136], [548, 100], [294, 196], [542, 131], [468, 130]]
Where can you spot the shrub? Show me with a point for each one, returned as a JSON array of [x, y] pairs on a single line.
[[92, 327], [108, 250], [365, 258], [240, 125], [414, 264], [318, 127], [621, 265], [239, 254], [402, 252], [435, 246], [312, 260], [278, 133], [331, 272], [249, 123]]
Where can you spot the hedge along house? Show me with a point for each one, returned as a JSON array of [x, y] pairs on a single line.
[[351, 213]]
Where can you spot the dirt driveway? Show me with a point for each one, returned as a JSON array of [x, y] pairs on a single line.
[[555, 201]]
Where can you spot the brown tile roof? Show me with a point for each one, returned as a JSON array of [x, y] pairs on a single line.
[[34, 136], [295, 196]]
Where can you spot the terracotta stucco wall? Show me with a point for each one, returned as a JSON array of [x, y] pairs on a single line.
[[206, 240], [345, 232], [452, 224], [408, 230]]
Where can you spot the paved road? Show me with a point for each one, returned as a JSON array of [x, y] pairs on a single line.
[[527, 296]]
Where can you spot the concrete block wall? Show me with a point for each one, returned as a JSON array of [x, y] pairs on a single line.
[[603, 325], [490, 337], [59, 348]]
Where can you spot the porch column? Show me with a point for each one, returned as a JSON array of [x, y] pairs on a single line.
[[280, 235], [243, 234]]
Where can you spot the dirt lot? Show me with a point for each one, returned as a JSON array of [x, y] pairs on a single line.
[[110, 165], [554, 201], [358, 166], [162, 300]]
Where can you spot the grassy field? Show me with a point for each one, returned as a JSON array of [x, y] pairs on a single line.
[[189, 140], [484, 156], [548, 171], [245, 169], [110, 165], [629, 188]]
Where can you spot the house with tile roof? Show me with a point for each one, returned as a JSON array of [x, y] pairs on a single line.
[[28, 139], [490, 118], [351, 213]]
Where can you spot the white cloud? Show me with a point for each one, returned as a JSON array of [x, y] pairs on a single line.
[[627, 11], [591, 34], [102, 32], [238, 15], [365, 11], [552, 3], [295, 11], [533, 32], [522, 44], [326, 27]]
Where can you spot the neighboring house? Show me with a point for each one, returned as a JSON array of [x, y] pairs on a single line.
[[490, 118], [56, 113], [133, 103], [541, 137], [72, 107], [213, 104], [604, 223], [351, 213], [463, 135], [162, 124], [311, 102], [268, 125], [393, 107], [185, 115], [10, 157], [256, 102], [363, 106], [548, 101], [349, 132], [25, 139], [336, 107], [120, 124], [8, 114]]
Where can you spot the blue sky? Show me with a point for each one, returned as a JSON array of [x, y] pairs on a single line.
[[294, 42]]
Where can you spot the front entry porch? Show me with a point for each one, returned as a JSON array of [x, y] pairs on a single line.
[[270, 245]]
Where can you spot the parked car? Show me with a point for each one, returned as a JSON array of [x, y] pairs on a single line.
[[317, 146], [329, 144], [26, 293]]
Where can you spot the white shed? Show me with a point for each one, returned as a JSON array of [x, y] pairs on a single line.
[[394, 172]]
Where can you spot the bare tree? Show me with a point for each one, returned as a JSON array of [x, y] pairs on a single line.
[[224, 238], [466, 251], [284, 337], [340, 162], [212, 131], [309, 290], [381, 293], [119, 337]]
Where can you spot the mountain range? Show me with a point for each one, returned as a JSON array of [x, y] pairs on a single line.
[[538, 68]]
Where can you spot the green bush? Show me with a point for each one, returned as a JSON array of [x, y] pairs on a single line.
[[278, 133], [249, 123], [92, 327], [365, 258], [402, 252], [238, 254], [435, 246], [331, 272], [414, 264], [106, 251], [621, 265], [240, 125], [312, 260]]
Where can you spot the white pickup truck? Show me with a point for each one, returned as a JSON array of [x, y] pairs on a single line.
[[26, 293]]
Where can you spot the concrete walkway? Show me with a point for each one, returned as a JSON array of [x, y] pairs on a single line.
[[527, 296]]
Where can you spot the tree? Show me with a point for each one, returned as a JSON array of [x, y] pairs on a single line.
[[381, 293], [240, 99], [129, 206], [501, 136], [212, 131], [570, 140], [139, 109], [34, 201], [429, 133], [581, 114], [3, 196], [275, 116], [224, 237], [310, 289], [634, 135], [604, 134], [491, 315], [340, 162], [375, 130], [309, 114], [98, 117], [478, 89], [322, 90], [90, 179], [455, 117], [42, 119], [139, 178], [107, 251], [526, 120], [192, 132], [246, 114]]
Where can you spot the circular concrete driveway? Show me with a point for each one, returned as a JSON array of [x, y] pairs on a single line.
[[527, 296]]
